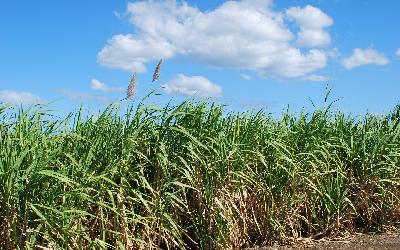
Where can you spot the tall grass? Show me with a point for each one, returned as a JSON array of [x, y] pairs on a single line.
[[191, 176]]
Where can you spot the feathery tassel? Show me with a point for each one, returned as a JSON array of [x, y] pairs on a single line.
[[131, 88], [156, 74]]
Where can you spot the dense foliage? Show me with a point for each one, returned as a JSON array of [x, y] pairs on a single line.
[[191, 176]]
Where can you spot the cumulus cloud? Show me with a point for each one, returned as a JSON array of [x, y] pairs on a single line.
[[398, 52], [312, 22], [97, 85], [192, 86], [18, 98], [316, 78], [130, 53], [363, 57], [244, 34]]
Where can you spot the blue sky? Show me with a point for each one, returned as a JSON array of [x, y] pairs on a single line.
[[249, 54]]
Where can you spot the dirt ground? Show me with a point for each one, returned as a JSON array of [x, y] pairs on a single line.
[[364, 242]]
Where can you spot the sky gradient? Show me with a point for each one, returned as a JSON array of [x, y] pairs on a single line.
[[249, 54]]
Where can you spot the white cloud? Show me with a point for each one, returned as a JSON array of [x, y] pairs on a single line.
[[312, 22], [84, 97], [244, 34], [316, 78], [363, 57], [192, 86], [130, 53], [246, 77], [97, 85], [18, 98], [398, 52]]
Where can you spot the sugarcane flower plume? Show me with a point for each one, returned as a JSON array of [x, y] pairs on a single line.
[[156, 74], [131, 87]]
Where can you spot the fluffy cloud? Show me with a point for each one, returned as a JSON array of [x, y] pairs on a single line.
[[97, 85], [316, 78], [192, 86], [398, 52], [244, 34], [130, 53], [18, 98], [364, 56], [312, 22]]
